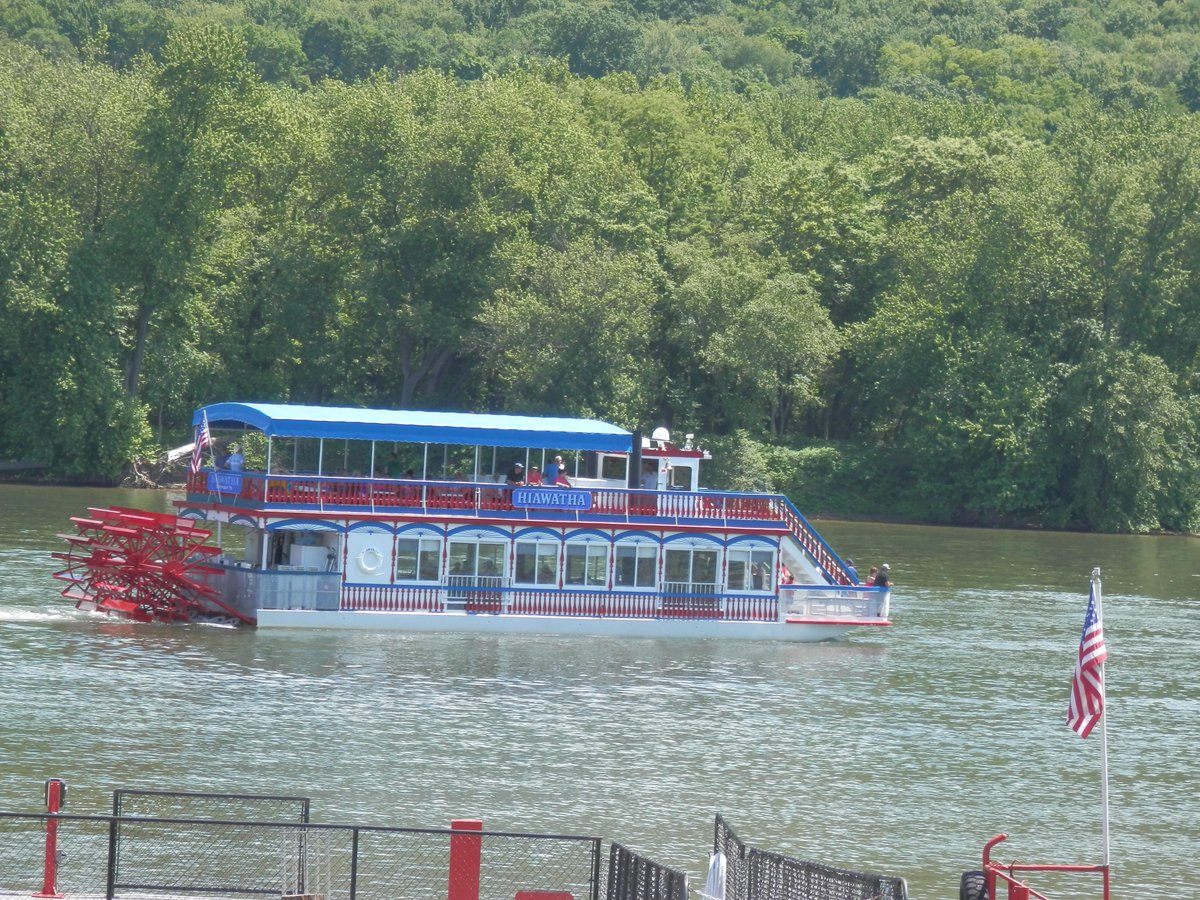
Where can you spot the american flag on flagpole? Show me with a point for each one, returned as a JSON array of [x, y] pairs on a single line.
[[1087, 687], [203, 440]]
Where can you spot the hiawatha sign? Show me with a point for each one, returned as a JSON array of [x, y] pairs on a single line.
[[551, 498]]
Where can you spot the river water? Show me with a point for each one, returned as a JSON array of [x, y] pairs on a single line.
[[900, 751]]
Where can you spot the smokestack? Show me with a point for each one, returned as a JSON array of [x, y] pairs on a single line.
[[635, 461]]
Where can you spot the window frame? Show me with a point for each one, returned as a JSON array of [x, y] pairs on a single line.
[[420, 540], [501, 574], [637, 547], [554, 548], [692, 551], [750, 552], [601, 547]]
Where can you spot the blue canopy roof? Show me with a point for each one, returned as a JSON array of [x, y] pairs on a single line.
[[414, 426]]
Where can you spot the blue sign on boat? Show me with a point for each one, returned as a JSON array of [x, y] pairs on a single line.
[[225, 482], [551, 498]]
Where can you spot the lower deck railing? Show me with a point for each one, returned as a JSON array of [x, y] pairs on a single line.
[[252, 589], [803, 602]]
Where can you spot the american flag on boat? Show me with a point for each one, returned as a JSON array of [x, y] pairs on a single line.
[[203, 441], [1087, 687]]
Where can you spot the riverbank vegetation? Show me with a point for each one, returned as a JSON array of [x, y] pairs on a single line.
[[933, 261]]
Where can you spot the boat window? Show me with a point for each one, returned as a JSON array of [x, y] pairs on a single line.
[[690, 571], [681, 477], [614, 468], [636, 564], [478, 564], [587, 564], [417, 559], [537, 562], [751, 570]]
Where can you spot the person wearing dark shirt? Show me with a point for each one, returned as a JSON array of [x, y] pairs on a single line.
[[516, 475], [392, 469], [882, 579]]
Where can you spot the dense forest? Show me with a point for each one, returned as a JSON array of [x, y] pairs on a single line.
[[927, 259]]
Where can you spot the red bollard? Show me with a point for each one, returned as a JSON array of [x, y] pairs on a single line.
[[56, 795], [466, 854]]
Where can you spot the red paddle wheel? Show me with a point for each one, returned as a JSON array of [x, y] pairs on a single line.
[[145, 566]]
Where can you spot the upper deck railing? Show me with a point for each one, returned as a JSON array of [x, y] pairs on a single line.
[[473, 499]]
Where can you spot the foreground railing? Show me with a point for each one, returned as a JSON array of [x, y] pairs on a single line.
[[753, 874], [985, 884], [137, 854], [124, 857]]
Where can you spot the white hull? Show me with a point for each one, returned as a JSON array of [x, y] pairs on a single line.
[[805, 631]]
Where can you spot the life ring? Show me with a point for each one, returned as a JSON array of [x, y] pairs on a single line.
[[375, 557]]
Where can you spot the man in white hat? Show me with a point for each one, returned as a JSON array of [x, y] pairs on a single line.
[[556, 473]]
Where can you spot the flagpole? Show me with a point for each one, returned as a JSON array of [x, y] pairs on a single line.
[[212, 455], [1103, 729]]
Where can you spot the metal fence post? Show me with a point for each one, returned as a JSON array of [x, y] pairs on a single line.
[[56, 792], [110, 888], [466, 855], [597, 849]]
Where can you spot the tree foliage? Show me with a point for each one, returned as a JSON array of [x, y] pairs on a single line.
[[938, 261]]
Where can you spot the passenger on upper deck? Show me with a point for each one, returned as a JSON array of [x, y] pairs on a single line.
[[516, 475], [556, 473], [534, 477], [392, 469], [649, 476], [235, 461]]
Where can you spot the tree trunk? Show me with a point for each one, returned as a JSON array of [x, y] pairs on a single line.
[[139, 348]]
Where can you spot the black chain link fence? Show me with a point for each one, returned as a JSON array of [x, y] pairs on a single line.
[[196, 805], [634, 877], [753, 874], [186, 858], [143, 857]]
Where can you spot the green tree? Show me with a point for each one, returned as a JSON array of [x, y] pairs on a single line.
[[575, 337], [191, 151]]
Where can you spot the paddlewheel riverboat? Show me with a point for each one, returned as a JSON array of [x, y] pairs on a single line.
[[402, 519]]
